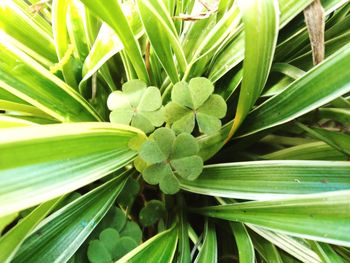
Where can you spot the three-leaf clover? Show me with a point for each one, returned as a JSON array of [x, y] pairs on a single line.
[[137, 105], [167, 156], [195, 101], [118, 237]]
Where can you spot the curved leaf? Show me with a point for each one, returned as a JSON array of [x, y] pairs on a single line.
[[160, 248], [11, 241], [38, 163], [208, 251], [289, 244], [244, 243], [58, 237], [322, 84], [28, 80], [6, 220], [261, 21], [266, 249], [163, 37], [113, 15], [10, 122], [338, 140], [30, 31], [317, 87], [323, 217], [263, 180], [63, 43]]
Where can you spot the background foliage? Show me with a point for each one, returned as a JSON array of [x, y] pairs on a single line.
[[257, 91]]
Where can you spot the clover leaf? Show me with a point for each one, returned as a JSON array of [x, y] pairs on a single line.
[[195, 102], [152, 212], [166, 156], [129, 192], [118, 237], [109, 247], [137, 105]]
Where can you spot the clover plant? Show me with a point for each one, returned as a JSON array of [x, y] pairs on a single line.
[[129, 192], [118, 236], [170, 151], [79, 184], [137, 105], [194, 102], [152, 212], [166, 156]]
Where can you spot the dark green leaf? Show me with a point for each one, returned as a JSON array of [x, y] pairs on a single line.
[[152, 212], [160, 247]]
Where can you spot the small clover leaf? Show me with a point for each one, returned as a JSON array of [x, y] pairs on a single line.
[[98, 253], [165, 156], [109, 247], [109, 238], [137, 105], [114, 237], [124, 245], [129, 192], [152, 212], [132, 230], [195, 102]]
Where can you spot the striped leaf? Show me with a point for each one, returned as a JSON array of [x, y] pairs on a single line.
[[42, 162]]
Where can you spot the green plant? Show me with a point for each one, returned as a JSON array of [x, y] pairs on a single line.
[[195, 101], [137, 105], [166, 156], [117, 236], [225, 104]]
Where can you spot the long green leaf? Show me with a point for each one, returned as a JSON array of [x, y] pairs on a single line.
[[76, 29], [261, 21], [338, 140], [233, 53], [10, 122], [113, 15], [208, 251], [295, 247], [29, 10], [106, 45], [226, 29], [245, 246], [64, 48], [323, 217], [326, 253], [163, 37], [263, 180], [11, 241], [28, 80], [184, 255], [41, 162], [62, 233], [322, 84], [289, 244], [160, 248], [23, 108], [307, 151], [266, 249], [317, 87], [340, 115], [16, 19], [6, 220]]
